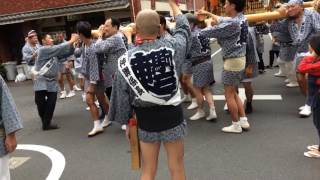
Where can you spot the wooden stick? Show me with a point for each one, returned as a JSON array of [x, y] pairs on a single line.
[[267, 16], [134, 144]]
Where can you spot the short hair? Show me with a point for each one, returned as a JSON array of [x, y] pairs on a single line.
[[191, 18], [43, 35], [315, 43], [240, 4], [148, 22], [115, 22], [84, 28]]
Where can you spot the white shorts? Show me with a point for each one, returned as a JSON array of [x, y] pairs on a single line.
[[4, 168]]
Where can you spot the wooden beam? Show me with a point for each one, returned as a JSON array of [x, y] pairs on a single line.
[[153, 4], [135, 7]]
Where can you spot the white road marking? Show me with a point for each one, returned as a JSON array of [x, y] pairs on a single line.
[[57, 159], [16, 162], [242, 96]]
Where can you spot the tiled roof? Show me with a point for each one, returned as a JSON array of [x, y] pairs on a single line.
[[103, 5]]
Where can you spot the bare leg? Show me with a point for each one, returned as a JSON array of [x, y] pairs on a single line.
[[175, 155], [302, 83], [149, 155], [61, 81], [231, 98], [208, 94], [90, 98], [70, 81]]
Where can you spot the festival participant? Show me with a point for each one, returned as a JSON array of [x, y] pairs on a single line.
[[46, 72], [231, 33], [147, 83], [113, 47], [316, 15], [65, 69], [251, 70], [202, 70], [92, 71], [29, 50], [300, 27], [10, 123], [311, 66]]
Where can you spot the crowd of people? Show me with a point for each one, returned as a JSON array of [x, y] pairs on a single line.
[[137, 71]]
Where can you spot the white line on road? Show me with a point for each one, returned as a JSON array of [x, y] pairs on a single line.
[[255, 97], [57, 159], [242, 96]]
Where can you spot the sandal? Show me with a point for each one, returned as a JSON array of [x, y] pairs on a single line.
[[313, 147], [312, 154]]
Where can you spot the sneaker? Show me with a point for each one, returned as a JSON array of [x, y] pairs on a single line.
[[244, 123], [292, 84], [95, 131], [193, 105], [63, 95], [279, 74], [71, 94], [212, 115], [199, 114], [306, 111], [287, 81], [75, 87], [106, 123], [302, 107], [233, 128], [124, 127]]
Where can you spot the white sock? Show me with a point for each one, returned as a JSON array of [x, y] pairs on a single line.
[[96, 124], [243, 119]]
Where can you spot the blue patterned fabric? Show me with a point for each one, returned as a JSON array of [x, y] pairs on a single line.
[[231, 34], [123, 98], [48, 82], [251, 55], [316, 21], [27, 52], [300, 36], [10, 119], [170, 135], [200, 50], [90, 64], [112, 48]]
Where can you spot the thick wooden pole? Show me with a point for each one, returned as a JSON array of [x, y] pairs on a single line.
[[153, 4], [135, 7]]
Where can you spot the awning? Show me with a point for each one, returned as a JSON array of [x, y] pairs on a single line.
[[103, 5]]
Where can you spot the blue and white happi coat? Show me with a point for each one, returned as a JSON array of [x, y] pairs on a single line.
[[147, 74]]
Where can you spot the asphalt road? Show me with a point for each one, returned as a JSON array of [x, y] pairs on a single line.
[[271, 150]]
